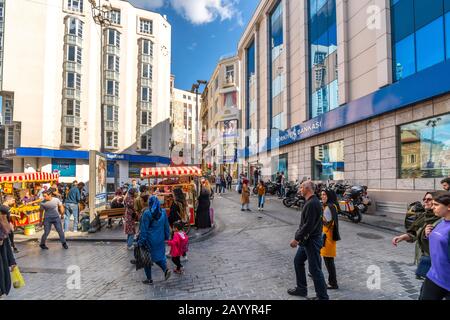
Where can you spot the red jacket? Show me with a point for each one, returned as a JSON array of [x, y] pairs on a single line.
[[179, 244]]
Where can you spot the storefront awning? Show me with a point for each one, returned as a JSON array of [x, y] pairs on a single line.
[[28, 177], [157, 172]]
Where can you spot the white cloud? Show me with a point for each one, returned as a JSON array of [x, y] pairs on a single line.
[[205, 11], [148, 4], [192, 46]]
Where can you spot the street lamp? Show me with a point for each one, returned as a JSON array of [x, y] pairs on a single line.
[[100, 15], [433, 124], [195, 88]]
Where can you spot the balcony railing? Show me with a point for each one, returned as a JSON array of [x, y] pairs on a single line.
[[146, 58], [145, 105], [112, 75], [71, 66], [72, 94], [145, 82], [112, 50], [111, 125], [111, 100], [74, 40], [71, 121]]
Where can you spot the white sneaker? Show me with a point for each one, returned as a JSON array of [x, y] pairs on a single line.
[[130, 248]]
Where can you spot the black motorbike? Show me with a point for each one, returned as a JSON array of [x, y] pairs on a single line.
[[291, 194], [354, 203]]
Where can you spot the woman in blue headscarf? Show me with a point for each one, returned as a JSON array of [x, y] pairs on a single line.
[[154, 231]]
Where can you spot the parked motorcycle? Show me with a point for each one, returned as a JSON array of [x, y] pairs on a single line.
[[354, 203]]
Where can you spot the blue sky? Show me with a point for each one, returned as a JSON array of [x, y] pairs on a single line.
[[202, 32]]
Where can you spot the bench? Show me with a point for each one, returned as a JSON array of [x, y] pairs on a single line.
[[111, 213]]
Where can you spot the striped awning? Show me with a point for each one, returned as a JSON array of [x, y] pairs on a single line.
[[28, 177], [157, 172]]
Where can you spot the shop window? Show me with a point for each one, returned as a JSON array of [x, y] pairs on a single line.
[[425, 148], [328, 162]]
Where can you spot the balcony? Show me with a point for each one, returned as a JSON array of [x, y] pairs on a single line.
[[111, 125], [145, 105], [72, 94], [146, 58], [112, 75], [229, 81], [146, 82], [112, 50], [71, 121], [70, 66], [73, 40], [111, 100]]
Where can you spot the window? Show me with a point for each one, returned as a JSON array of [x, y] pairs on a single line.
[[413, 21], [146, 94], [112, 139], [75, 5], [230, 99], [109, 113], [75, 27], [229, 74], [73, 80], [146, 26], [1, 11], [113, 38], [425, 148], [184, 96], [72, 136], [189, 97], [113, 63], [112, 88], [74, 54], [323, 57], [251, 112], [147, 47], [147, 71], [72, 108], [114, 16], [146, 142], [329, 161], [146, 118]]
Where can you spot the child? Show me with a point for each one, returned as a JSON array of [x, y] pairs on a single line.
[[178, 246], [261, 195]]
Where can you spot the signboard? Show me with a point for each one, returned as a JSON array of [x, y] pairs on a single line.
[[134, 169], [8, 188], [9, 153], [97, 183], [65, 167], [230, 129]]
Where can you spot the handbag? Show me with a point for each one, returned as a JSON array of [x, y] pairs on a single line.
[[423, 266], [17, 278], [143, 257]]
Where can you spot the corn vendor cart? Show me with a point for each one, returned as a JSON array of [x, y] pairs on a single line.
[[163, 180], [26, 211]]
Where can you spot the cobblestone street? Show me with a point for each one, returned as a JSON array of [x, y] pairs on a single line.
[[247, 257]]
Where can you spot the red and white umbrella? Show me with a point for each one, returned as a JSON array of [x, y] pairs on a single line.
[[158, 172]]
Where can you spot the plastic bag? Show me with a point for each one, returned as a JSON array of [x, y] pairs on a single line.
[[17, 278]]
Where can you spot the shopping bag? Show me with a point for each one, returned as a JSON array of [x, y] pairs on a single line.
[[17, 278], [211, 215]]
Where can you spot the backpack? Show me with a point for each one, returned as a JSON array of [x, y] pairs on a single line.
[[411, 215]]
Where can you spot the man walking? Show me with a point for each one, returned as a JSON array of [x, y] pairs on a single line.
[[54, 210], [218, 184], [308, 239], [71, 206], [229, 181]]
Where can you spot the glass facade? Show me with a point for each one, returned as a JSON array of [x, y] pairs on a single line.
[[277, 69], [328, 162], [420, 35], [251, 98], [425, 148], [323, 56]]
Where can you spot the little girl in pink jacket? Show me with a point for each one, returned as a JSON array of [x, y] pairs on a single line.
[[178, 245]]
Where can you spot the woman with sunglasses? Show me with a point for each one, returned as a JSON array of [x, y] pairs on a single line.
[[416, 233]]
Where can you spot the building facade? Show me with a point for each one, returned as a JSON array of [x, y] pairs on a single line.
[[66, 69], [221, 117], [349, 90], [185, 131]]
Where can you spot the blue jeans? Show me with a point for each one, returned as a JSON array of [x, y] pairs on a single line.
[[148, 270], [311, 252], [71, 208], [261, 200], [130, 240], [48, 222]]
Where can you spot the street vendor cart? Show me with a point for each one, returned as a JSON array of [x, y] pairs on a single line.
[[163, 180], [20, 185]]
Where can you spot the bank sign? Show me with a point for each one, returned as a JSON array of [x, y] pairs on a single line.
[[298, 132]]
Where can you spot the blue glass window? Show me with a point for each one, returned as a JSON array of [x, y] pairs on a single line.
[[430, 44], [446, 5], [405, 58], [426, 11], [447, 33], [403, 19]]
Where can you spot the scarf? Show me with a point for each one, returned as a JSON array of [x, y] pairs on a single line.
[[155, 208]]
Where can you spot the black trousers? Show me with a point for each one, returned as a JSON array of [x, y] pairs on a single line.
[[431, 291], [11, 239], [48, 223], [331, 268], [177, 262]]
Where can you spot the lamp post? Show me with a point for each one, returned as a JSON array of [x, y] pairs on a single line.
[[195, 88], [100, 15], [432, 123]]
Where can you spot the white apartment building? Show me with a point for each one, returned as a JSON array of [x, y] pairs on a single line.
[[185, 131], [52, 58], [221, 116]]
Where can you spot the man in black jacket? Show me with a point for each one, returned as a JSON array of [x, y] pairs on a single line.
[[308, 239]]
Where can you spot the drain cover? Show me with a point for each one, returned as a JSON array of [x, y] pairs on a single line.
[[369, 236]]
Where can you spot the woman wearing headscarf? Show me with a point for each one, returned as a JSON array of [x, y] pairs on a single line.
[[130, 217], [7, 261], [153, 232], [178, 207], [331, 231], [202, 218]]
